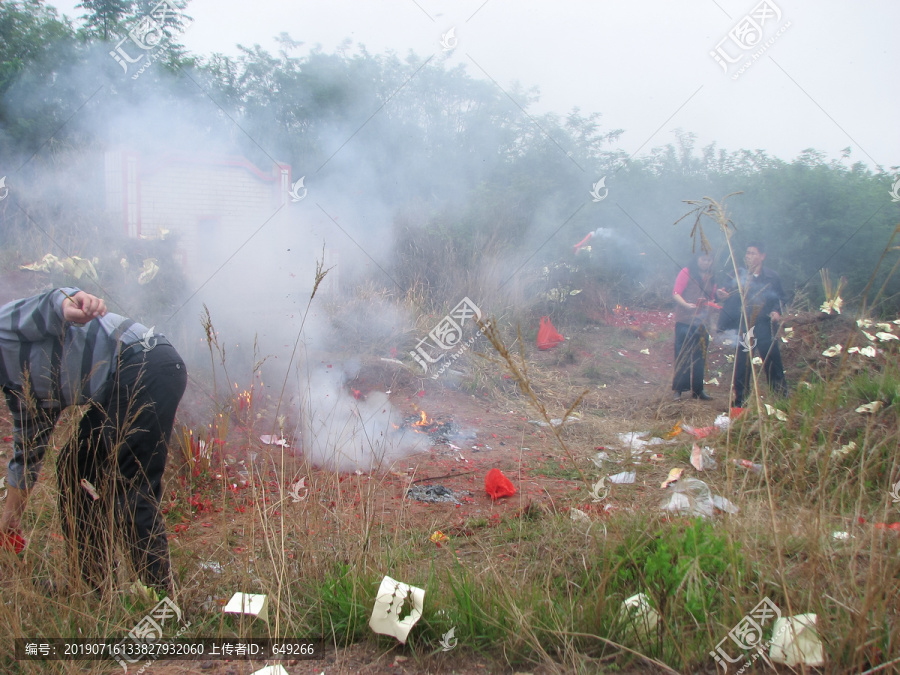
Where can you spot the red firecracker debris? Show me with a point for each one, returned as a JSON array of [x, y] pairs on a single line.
[[497, 485]]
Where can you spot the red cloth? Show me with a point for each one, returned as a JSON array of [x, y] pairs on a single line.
[[547, 336], [497, 485]]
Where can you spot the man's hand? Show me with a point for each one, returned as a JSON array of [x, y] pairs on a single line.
[[16, 500], [82, 307]]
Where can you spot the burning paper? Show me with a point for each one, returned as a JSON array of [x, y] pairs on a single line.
[[389, 607], [345, 433]]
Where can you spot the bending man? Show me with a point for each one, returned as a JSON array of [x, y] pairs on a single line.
[[63, 348]]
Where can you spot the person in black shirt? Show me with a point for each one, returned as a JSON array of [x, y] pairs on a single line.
[[763, 301]]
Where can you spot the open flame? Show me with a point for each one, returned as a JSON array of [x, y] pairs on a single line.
[[424, 421]]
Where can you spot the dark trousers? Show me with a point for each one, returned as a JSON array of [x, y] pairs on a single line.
[[691, 343], [121, 450], [767, 349]]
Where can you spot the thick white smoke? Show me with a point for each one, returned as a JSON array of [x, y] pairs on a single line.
[[345, 433]]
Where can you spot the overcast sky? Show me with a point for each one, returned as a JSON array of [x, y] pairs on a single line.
[[826, 76]]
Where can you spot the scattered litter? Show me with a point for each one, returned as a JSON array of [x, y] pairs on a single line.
[[885, 337], [639, 614], [271, 670], [434, 494], [840, 535], [12, 541], [555, 422], [747, 464], [834, 350], [844, 450], [863, 323], [3, 487], [623, 478], [868, 350], [579, 516], [674, 431], [869, 336], [702, 458], [872, 407], [497, 485], [145, 592], [779, 415], [729, 358], [595, 491], [91, 490], [693, 497], [599, 458], [657, 457], [647, 351], [756, 361], [438, 537], [699, 432], [714, 382], [674, 475], [250, 604], [388, 609], [270, 439], [635, 440], [795, 641], [884, 326], [722, 422], [296, 488], [723, 504], [212, 567]]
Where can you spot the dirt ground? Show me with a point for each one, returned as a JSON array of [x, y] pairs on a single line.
[[624, 367]]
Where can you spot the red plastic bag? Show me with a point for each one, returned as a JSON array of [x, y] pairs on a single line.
[[547, 335], [12, 541], [497, 485]]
